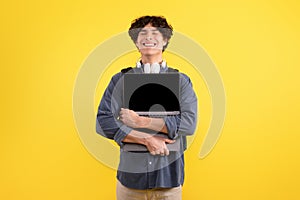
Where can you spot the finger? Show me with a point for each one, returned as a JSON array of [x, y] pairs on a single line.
[[122, 119], [123, 110], [163, 152], [166, 151], [157, 152], [132, 112], [152, 153]]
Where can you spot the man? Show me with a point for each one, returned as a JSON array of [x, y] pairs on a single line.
[[158, 173]]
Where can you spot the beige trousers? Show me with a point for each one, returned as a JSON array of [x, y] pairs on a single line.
[[124, 193]]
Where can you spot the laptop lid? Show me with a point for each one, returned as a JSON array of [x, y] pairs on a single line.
[[152, 94]]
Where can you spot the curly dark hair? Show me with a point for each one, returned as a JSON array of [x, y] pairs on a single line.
[[156, 21]]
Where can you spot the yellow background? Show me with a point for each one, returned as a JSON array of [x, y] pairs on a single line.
[[255, 45]]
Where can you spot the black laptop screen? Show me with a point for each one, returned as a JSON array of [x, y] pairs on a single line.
[[151, 92]]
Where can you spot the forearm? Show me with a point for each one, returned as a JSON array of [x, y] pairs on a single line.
[[155, 124], [133, 120], [136, 137], [156, 145]]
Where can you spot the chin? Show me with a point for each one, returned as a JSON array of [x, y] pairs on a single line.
[[150, 52]]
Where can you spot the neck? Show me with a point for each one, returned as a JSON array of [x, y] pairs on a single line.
[[151, 59]]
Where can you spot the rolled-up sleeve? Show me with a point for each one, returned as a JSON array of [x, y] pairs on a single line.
[[107, 123], [184, 123]]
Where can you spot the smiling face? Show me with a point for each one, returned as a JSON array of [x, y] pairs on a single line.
[[150, 41]]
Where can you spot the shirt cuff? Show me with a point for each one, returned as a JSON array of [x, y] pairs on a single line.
[[121, 134], [171, 124]]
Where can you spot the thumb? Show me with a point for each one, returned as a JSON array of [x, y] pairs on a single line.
[[169, 141]]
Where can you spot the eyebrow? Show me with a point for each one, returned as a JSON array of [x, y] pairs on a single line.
[[148, 29]]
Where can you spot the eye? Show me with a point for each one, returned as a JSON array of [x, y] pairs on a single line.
[[155, 32], [142, 33]]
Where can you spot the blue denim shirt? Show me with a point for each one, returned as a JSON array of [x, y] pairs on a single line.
[[141, 170]]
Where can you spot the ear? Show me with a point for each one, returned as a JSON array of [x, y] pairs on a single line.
[[137, 46], [165, 41]]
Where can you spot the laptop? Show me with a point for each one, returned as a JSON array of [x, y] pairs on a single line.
[[152, 95]]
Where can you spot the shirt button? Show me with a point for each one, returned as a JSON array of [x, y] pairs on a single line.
[[150, 163]]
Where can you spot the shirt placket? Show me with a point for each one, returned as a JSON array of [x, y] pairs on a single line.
[[150, 169]]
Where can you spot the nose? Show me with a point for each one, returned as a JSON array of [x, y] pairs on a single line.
[[148, 37]]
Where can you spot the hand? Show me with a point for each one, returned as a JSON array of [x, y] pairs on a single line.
[[129, 118], [157, 145]]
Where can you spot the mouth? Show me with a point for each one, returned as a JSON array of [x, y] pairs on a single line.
[[149, 44]]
